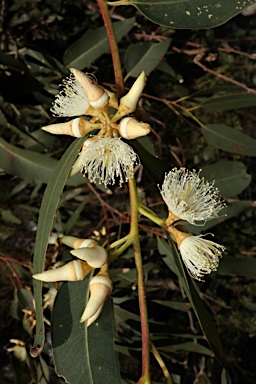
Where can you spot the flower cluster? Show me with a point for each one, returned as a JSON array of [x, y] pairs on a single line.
[[195, 200], [90, 256], [108, 157]]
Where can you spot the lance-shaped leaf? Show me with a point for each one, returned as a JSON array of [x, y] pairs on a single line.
[[228, 139], [190, 14], [46, 216], [93, 44]]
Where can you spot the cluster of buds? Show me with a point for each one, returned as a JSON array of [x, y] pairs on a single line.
[[90, 257], [81, 95], [195, 200]]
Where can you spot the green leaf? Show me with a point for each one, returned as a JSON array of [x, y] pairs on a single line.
[[46, 216], [144, 57], [190, 347], [230, 177], [12, 63], [238, 266], [205, 318], [189, 14], [30, 165], [228, 139], [154, 166], [27, 165], [93, 44], [224, 103], [83, 355], [177, 305]]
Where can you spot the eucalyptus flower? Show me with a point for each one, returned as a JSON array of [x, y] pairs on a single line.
[[106, 159], [200, 256], [189, 197], [72, 99]]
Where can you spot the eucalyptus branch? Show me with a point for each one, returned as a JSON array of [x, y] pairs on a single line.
[[134, 204], [113, 46]]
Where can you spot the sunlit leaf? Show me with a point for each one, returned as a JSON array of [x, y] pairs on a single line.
[[93, 44], [144, 57], [191, 14], [81, 354], [228, 139], [230, 177]]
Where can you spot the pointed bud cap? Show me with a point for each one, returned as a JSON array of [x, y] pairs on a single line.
[[100, 289], [76, 242], [130, 128], [78, 127], [128, 103], [73, 271], [97, 95], [96, 257]]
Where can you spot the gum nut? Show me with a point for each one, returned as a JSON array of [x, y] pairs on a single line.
[[100, 289], [113, 101], [73, 271], [78, 127], [131, 128], [97, 95], [96, 256]]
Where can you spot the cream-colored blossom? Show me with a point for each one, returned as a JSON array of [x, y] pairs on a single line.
[[72, 99], [107, 159], [189, 197], [200, 256]]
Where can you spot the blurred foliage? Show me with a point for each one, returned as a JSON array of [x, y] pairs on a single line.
[[180, 100]]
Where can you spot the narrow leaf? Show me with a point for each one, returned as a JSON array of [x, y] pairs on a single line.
[[27, 165], [228, 139], [144, 57], [46, 216], [93, 44], [204, 317], [225, 103], [190, 14]]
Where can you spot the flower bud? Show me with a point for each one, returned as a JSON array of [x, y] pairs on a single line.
[[96, 256], [128, 103], [100, 289], [73, 271], [78, 127], [76, 242], [97, 95], [130, 128]]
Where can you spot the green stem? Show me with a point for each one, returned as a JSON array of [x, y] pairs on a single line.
[[102, 4], [145, 211], [134, 231], [162, 364]]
